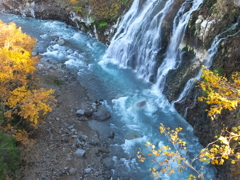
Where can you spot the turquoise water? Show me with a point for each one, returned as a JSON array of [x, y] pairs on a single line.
[[121, 91]]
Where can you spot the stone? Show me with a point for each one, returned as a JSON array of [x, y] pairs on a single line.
[[141, 104], [80, 112], [84, 137], [57, 118], [87, 170], [111, 135], [69, 159], [65, 139], [72, 171], [101, 115], [79, 153], [83, 118], [71, 127], [88, 112], [61, 42], [103, 150]]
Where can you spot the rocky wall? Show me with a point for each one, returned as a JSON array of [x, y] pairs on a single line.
[[82, 14], [212, 18]]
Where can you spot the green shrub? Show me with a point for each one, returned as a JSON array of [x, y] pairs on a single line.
[[218, 71], [9, 156], [102, 24]]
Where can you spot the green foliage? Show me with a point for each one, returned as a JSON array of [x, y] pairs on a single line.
[[210, 3], [106, 10], [185, 48], [102, 24], [1, 118], [125, 2], [218, 71], [9, 156]]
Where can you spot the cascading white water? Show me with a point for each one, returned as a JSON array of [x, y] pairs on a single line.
[[138, 37], [136, 111], [172, 59], [207, 62]]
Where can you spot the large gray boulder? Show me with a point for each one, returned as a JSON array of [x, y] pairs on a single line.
[[101, 115]]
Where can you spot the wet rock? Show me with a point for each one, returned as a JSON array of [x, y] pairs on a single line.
[[101, 115], [88, 112], [141, 104], [79, 153], [61, 42], [132, 135], [111, 135], [108, 162], [103, 150]]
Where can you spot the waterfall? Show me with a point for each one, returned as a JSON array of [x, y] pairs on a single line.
[[172, 59], [138, 37], [207, 62], [135, 110]]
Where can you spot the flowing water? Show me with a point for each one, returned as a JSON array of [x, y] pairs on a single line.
[[135, 107], [206, 62]]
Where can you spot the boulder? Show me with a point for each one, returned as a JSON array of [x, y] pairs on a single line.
[[141, 104], [61, 42], [88, 112], [101, 115]]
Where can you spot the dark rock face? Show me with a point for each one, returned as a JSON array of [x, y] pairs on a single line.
[[63, 10], [218, 15]]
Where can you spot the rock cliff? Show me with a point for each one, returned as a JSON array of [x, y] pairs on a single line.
[[96, 18], [210, 20]]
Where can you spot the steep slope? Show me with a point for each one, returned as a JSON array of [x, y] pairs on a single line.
[[97, 18]]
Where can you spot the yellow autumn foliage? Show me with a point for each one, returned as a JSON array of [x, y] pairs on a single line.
[[17, 67], [221, 93]]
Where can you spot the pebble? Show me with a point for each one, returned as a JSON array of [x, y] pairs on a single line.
[[72, 171], [87, 170], [79, 153]]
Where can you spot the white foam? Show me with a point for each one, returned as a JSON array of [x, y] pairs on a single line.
[[130, 145]]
